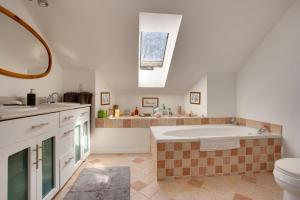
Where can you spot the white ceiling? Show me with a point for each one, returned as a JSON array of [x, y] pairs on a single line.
[[215, 36]]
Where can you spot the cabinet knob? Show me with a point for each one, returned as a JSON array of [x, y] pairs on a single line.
[[68, 117], [69, 160], [39, 125], [82, 114], [68, 132]]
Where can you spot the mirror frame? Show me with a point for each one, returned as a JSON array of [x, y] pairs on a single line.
[[34, 33]]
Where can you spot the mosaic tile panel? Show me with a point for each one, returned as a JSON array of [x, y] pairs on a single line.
[[180, 159], [178, 121]]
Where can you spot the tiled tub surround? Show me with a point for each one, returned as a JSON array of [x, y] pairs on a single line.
[[146, 122], [184, 158]]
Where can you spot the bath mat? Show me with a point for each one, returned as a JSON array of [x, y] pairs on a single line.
[[110, 183]]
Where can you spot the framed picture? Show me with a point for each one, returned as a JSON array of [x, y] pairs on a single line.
[[195, 98], [150, 101], [105, 98]]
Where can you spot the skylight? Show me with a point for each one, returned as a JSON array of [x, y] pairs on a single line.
[[157, 39], [153, 47]]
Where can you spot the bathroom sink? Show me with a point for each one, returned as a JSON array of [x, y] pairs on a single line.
[[61, 104], [17, 108]]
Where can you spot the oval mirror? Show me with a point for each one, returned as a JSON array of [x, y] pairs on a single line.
[[23, 52]]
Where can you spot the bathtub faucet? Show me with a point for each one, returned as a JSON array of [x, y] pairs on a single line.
[[262, 130], [234, 121]]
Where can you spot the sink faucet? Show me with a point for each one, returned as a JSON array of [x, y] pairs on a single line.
[[51, 99], [262, 130]]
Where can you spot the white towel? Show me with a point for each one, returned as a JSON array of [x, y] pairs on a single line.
[[213, 144]]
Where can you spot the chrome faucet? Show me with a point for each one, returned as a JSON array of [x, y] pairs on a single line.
[[234, 121], [262, 130], [51, 99]]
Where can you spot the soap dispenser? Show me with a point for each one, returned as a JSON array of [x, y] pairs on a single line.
[[31, 99]]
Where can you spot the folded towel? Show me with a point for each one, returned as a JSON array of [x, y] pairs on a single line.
[[85, 98], [213, 144], [71, 97]]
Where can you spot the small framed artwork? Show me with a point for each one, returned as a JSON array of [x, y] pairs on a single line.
[[150, 101], [195, 98], [105, 98]]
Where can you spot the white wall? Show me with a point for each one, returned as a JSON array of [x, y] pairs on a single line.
[[269, 85], [221, 94], [20, 87], [121, 140], [200, 110], [218, 95], [73, 79], [131, 101], [102, 86]]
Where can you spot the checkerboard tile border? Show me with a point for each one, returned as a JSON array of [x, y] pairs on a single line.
[[180, 159], [147, 122]]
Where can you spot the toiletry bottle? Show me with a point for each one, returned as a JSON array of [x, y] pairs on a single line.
[[136, 111], [31, 98]]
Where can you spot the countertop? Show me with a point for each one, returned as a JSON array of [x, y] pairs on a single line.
[[153, 117], [13, 112]]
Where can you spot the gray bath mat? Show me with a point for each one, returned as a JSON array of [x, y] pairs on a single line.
[[111, 183]]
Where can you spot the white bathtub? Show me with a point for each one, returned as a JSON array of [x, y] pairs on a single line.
[[197, 132]]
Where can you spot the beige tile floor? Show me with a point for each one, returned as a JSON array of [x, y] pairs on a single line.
[[145, 187]]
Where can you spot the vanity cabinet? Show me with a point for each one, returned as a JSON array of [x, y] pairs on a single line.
[[29, 167], [82, 135], [75, 142], [39, 154]]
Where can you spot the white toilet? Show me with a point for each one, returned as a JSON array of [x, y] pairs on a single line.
[[287, 176]]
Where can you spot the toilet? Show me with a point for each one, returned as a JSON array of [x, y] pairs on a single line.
[[287, 176]]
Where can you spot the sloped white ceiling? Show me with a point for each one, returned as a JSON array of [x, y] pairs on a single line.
[[215, 36]]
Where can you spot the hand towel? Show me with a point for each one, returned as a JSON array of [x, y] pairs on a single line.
[[85, 98], [71, 97], [213, 144]]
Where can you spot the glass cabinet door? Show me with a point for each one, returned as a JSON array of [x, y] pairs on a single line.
[[85, 137], [18, 176], [77, 143], [48, 168]]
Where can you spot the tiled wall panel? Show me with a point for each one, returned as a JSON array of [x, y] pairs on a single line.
[[177, 121], [180, 159]]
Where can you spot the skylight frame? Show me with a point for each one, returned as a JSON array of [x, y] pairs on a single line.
[[156, 22]]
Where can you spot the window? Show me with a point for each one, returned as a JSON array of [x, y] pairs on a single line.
[[153, 48], [157, 38]]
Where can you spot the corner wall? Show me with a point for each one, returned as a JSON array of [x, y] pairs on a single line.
[[221, 94], [102, 86], [268, 86], [201, 109], [218, 95], [73, 79]]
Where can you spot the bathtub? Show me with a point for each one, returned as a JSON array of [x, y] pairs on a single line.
[[177, 151], [198, 132]]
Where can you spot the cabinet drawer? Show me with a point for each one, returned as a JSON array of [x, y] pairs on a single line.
[[83, 113], [17, 130], [67, 117], [67, 167], [66, 139]]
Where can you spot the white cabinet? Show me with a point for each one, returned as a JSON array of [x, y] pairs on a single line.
[[82, 136], [18, 171], [66, 167], [13, 131], [29, 169], [39, 154], [48, 166], [75, 141]]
